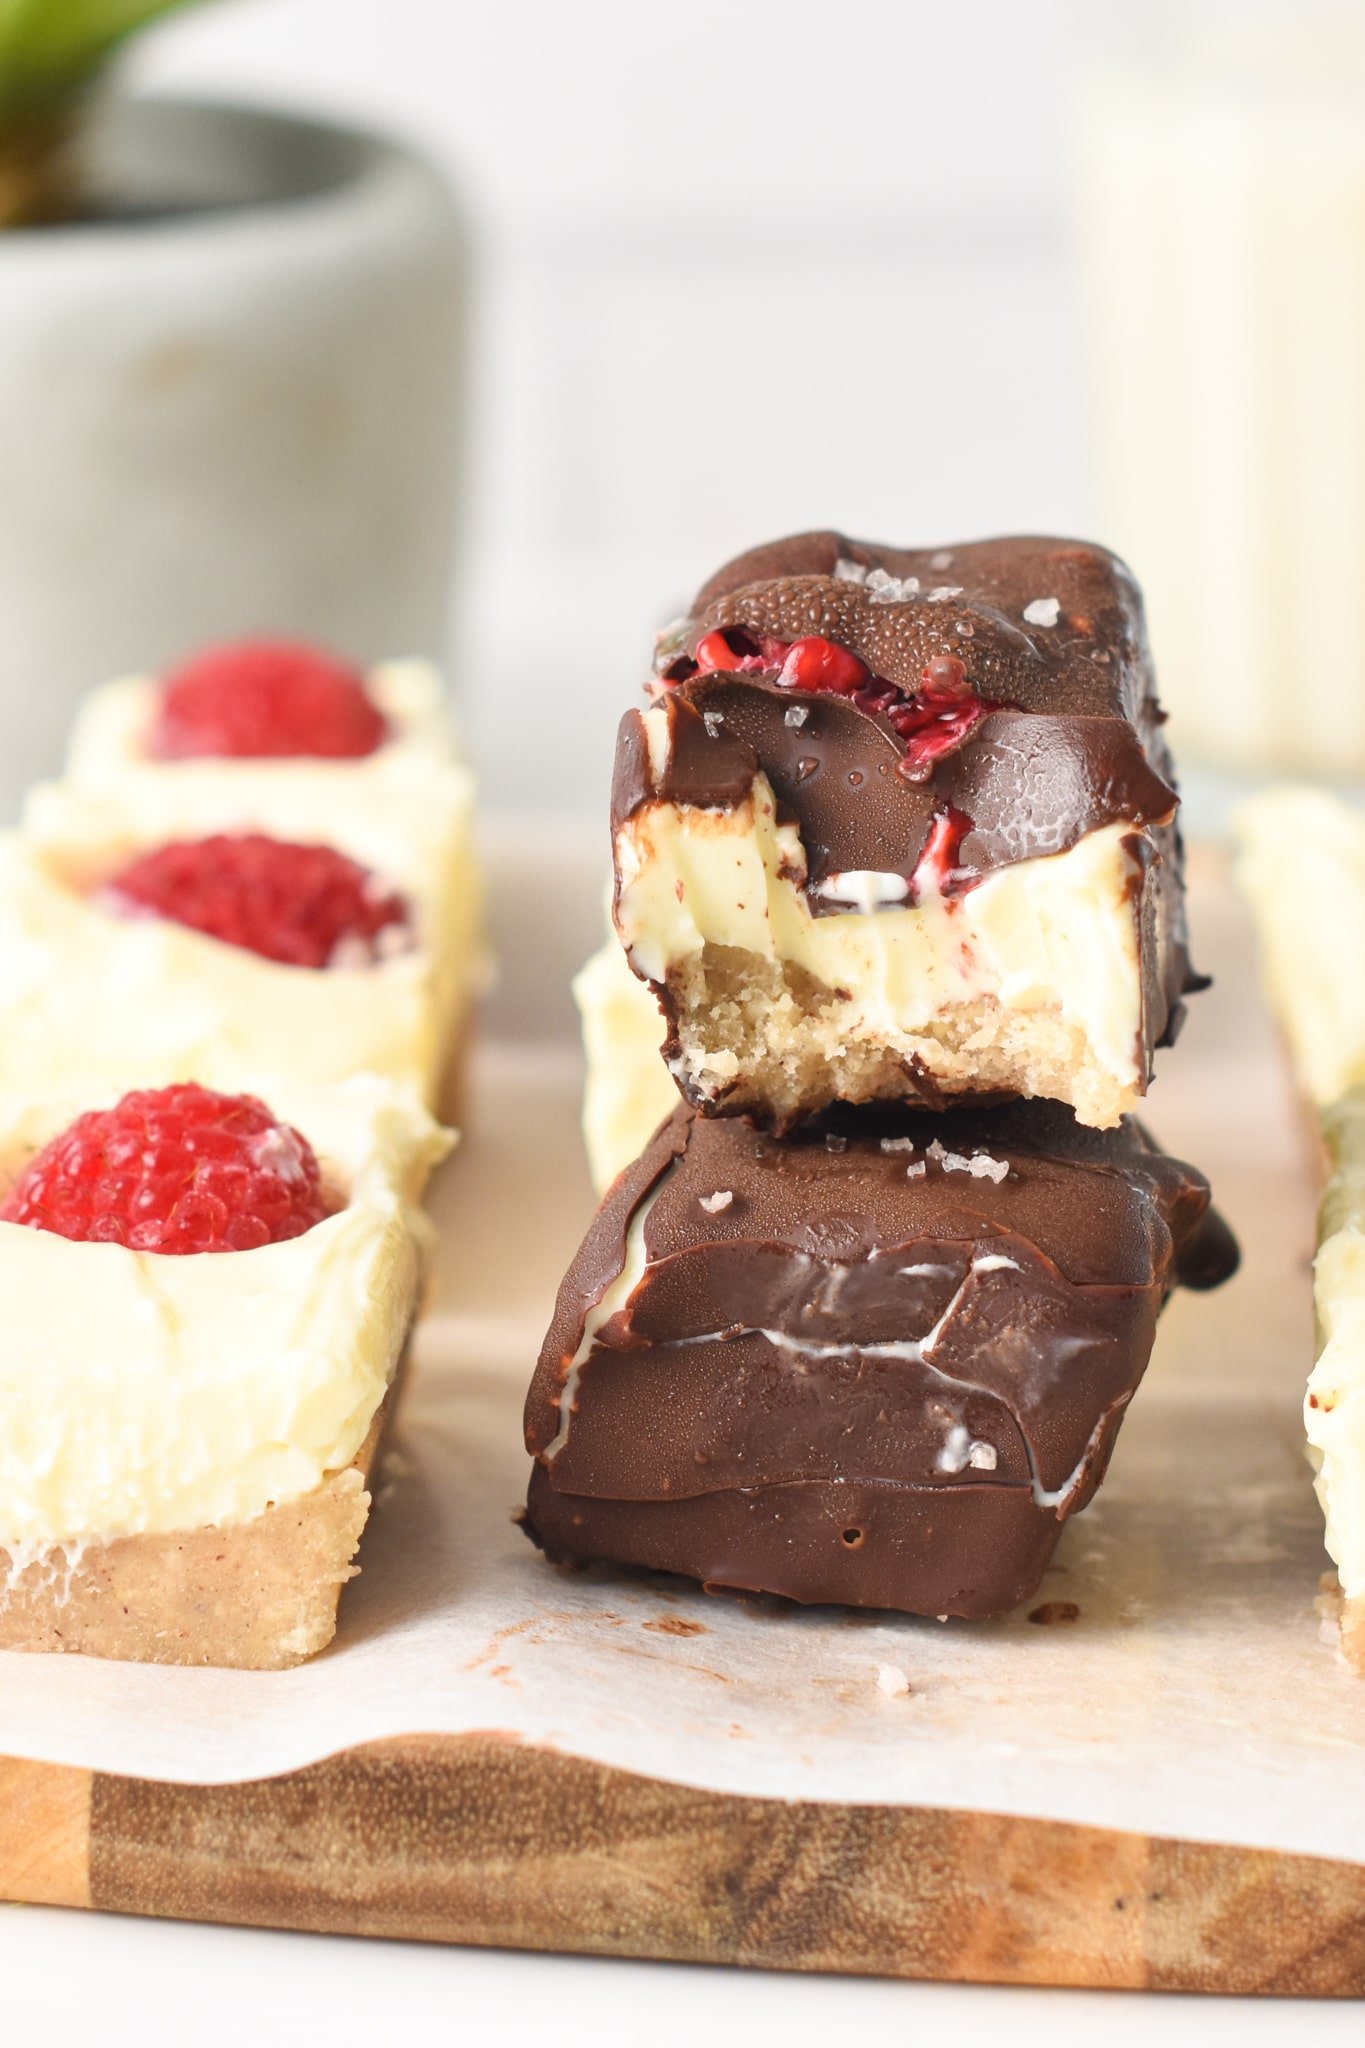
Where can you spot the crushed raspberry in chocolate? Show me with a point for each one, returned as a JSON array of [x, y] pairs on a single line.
[[178, 1170], [261, 699], [933, 722], [937, 871], [305, 906]]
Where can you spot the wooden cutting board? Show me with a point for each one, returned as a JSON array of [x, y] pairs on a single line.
[[484, 1839], [481, 1841]]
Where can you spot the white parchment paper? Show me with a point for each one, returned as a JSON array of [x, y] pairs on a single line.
[[1195, 1693]]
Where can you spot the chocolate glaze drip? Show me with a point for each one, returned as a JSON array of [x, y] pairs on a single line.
[[937, 1364], [1079, 746]]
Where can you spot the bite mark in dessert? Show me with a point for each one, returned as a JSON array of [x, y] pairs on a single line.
[[305, 906], [884, 1372], [836, 739], [262, 699]]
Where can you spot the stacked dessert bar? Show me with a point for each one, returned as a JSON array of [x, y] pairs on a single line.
[[238, 942], [896, 857]]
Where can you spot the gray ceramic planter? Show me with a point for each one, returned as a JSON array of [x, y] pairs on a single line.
[[229, 407]]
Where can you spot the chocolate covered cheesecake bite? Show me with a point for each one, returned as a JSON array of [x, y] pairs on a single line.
[[899, 824], [878, 1362]]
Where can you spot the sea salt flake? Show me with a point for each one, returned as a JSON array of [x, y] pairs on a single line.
[[796, 714], [846, 571], [898, 1144], [1044, 611], [942, 560], [944, 591], [980, 1165], [888, 589], [915, 1170], [713, 722], [892, 1681], [713, 1204], [834, 1142], [981, 1457]]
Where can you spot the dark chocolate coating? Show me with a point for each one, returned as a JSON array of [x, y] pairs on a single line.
[[766, 1411], [1074, 744]]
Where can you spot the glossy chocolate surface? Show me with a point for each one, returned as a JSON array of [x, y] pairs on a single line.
[[878, 1362]]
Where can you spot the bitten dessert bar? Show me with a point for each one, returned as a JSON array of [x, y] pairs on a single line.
[[879, 1361], [900, 824]]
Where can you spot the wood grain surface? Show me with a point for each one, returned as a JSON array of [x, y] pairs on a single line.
[[482, 1841]]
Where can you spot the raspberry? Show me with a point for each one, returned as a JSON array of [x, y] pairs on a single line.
[[933, 721], [266, 698], [178, 1169], [307, 906], [810, 664], [938, 718], [937, 871]]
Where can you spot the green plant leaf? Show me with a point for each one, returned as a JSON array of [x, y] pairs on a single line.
[[50, 48]]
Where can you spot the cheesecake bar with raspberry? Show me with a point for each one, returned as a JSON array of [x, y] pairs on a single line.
[[1301, 864], [207, 1301], [263, 867], [879, 1361], [900, 824]]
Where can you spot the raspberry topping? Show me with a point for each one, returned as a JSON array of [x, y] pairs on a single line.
[[933, 722], [810, 664], [266, 699], [307, 906], [178, 1169], [937, 871]]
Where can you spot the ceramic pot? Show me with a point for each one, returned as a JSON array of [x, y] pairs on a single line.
[[228, 404]]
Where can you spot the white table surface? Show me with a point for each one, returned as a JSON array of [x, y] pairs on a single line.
[[103, 1981]]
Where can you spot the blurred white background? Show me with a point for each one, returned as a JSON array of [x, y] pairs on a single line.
[[743, 266]]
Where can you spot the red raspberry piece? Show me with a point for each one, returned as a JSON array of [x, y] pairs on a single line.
[[307, 906], [178, 1169], [938, 718], [936, 870], [811, 664], [266, 699]]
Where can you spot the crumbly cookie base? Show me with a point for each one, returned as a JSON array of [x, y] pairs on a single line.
[[1347, 1616], [766, 1039], [252, 1596]]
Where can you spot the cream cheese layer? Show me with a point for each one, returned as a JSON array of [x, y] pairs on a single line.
[[110, 735], [1059, 933], [145, 1393], [173, 1001], [1302, 870], [1334, 1409], [628, 1091]]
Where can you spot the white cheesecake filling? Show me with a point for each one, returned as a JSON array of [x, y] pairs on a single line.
[[1059, 933], [627, 1090], [1302, 870], [144, 1393], [175, 1002], [112, 728], [89, 994], [1334, 1408]]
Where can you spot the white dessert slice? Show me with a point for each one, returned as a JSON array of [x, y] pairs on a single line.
[[627, 1089], [110, 736], [174, 1001], [1301, 867], [1031, 982], [185, 1440], [1334, 1411]]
